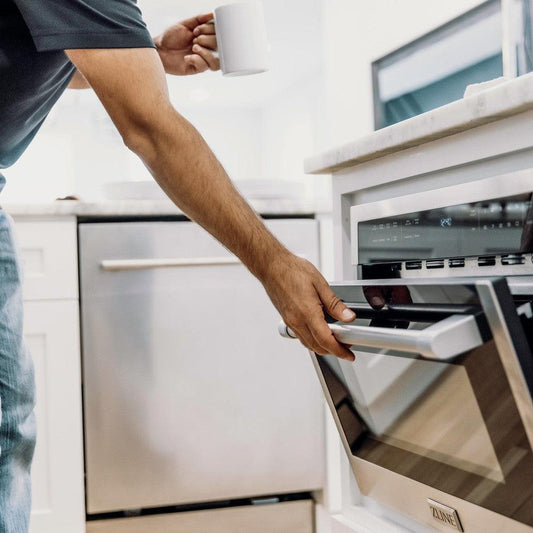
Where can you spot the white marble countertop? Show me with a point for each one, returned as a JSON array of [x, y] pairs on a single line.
[[494, 103], [143, 208]]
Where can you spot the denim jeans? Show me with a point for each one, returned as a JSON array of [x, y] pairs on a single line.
[[17, 424]]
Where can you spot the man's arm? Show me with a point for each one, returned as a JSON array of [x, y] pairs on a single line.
[[131, 85]]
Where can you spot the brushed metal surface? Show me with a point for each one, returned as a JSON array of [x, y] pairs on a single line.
[[505, 343], [190, 394], [140, 264]]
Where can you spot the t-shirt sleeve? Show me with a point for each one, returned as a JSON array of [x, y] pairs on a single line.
[[69, 24]]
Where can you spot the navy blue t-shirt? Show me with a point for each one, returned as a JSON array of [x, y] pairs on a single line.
[[34, 70]]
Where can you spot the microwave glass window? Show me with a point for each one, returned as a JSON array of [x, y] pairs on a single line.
[[436, 68]]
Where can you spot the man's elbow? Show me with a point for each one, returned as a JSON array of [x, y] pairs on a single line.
[[140, 142], [149, 139]]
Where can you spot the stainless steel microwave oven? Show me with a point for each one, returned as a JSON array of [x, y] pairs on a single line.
[[436, 413]]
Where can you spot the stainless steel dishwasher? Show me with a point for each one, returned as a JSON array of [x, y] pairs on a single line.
[[189, 394]]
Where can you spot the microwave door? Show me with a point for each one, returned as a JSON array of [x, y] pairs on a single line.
[[445, 401]]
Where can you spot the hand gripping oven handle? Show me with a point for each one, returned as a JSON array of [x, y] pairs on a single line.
[[442, 341]]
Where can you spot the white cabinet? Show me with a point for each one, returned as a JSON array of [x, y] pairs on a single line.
[[52, 334], [48, 250]]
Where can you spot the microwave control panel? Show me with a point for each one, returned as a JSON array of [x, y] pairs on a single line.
[[462, 238]]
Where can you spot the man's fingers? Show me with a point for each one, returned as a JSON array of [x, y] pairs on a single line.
[[199, 20], [326, 341], [322, 343], [400, 295], [207, 56], [204, 29], [375, 296], [195, 64], [207, 41]]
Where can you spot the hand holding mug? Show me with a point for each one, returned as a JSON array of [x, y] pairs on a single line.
[[189, 47]]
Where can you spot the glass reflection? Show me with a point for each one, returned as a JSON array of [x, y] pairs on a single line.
[[452, 426], [498, 226], [526, 244]]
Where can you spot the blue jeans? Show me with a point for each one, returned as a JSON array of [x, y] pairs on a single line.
[[17, 424]]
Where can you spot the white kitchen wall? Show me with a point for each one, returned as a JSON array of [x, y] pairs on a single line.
[[234, 135], [77, 144], [291, 130], [358, 32], [78, 149]]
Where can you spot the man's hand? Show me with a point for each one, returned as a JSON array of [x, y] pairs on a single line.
[[188, 46], [301, 295]]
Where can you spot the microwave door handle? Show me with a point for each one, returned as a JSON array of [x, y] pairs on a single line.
[[441, 341]]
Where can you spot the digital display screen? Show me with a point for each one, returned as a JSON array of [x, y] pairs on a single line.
[[492, 227]]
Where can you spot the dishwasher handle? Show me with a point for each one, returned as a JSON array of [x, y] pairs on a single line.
[[441, 341], [117, 265]]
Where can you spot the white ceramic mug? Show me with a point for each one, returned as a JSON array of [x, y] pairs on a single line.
[[241, 38]]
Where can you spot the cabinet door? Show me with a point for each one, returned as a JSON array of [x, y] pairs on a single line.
[[52, 335], [48, 250], [190, 393]]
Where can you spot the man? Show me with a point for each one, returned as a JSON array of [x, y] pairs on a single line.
[[46, 45]]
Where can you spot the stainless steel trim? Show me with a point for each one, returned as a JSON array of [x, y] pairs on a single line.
[[116, 265], [518, 182], [520, 285], [504, 342], [442, 341]]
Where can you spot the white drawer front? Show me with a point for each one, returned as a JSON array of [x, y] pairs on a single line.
[[48, 250], [285, 517]]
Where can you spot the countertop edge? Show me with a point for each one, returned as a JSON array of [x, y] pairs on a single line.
[[143, 208], [504, 100]]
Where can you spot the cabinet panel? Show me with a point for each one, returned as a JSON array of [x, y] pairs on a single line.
[[48, 250], [52, 335]]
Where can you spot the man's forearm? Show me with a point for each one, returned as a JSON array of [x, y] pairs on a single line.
[[131, 84], [190, 174]]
